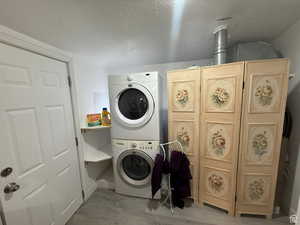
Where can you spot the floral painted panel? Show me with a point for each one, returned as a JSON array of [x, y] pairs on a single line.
[[184, 133], [219, 140], [257, 189], [220, 95], [183, 95], [217, 182], [266, 93], [261, 138]]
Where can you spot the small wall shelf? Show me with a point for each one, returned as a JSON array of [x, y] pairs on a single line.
[[86, 128], [94, 155]]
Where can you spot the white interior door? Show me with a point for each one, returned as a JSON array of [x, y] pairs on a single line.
[[37, 140]]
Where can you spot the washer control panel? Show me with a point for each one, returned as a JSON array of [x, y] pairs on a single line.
[[143, 145], [149, 145], [139, 145]]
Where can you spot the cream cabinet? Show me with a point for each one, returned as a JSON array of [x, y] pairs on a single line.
[[229, 118], [183, 117], [264, 100], [221, 97]]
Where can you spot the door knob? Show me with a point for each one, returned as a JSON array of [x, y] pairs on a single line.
[[11, 187], [6, 172]]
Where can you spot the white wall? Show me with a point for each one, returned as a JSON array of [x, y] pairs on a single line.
[[288, 43], [92, 87], [92, 96], [162, 68]]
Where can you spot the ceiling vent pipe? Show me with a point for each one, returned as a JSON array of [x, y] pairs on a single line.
[[220, 52]]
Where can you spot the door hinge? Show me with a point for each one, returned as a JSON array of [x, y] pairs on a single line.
[[69, 81], [76, 141], [83, 194]]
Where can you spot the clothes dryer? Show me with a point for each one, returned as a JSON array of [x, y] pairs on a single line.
[[136, 106]]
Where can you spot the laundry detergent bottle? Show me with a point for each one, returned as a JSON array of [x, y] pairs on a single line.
[[105, 118]]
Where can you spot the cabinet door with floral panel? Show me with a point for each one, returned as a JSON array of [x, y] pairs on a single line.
[[221, 95], [263, 110], [266, 92], [184, 132], [257, 189], [219, 140], [260, 144], [217, 184], [183, 112], [183, 96]]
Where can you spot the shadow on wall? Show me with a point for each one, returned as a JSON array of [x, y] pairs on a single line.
[[291, 198]]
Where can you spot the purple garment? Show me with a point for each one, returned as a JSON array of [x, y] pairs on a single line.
[[180, 178], [160, 166]]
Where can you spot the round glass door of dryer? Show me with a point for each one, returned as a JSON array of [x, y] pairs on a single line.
[[135, 167], [134, 105]]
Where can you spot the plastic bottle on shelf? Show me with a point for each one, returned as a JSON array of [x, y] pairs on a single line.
[[105, 118]]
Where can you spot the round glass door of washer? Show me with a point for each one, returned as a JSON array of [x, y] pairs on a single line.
[[134, 106], [135, 167]]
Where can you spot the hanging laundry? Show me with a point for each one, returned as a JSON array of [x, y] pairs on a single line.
[[161, 166], [180, 178], [179, 169]]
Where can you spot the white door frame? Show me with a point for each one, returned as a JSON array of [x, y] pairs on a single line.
[[16, 39]]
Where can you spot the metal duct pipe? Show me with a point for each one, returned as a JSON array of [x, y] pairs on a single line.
[[220, 44]]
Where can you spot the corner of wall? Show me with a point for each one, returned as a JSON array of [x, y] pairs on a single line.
[[288, 44]]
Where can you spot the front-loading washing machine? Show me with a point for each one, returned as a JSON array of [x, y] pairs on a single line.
[[133, 162], [136, 106]]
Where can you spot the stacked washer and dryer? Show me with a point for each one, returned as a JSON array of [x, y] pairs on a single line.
[[136, 106]]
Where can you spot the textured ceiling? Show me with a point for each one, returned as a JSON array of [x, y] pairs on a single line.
[[131, 32]]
